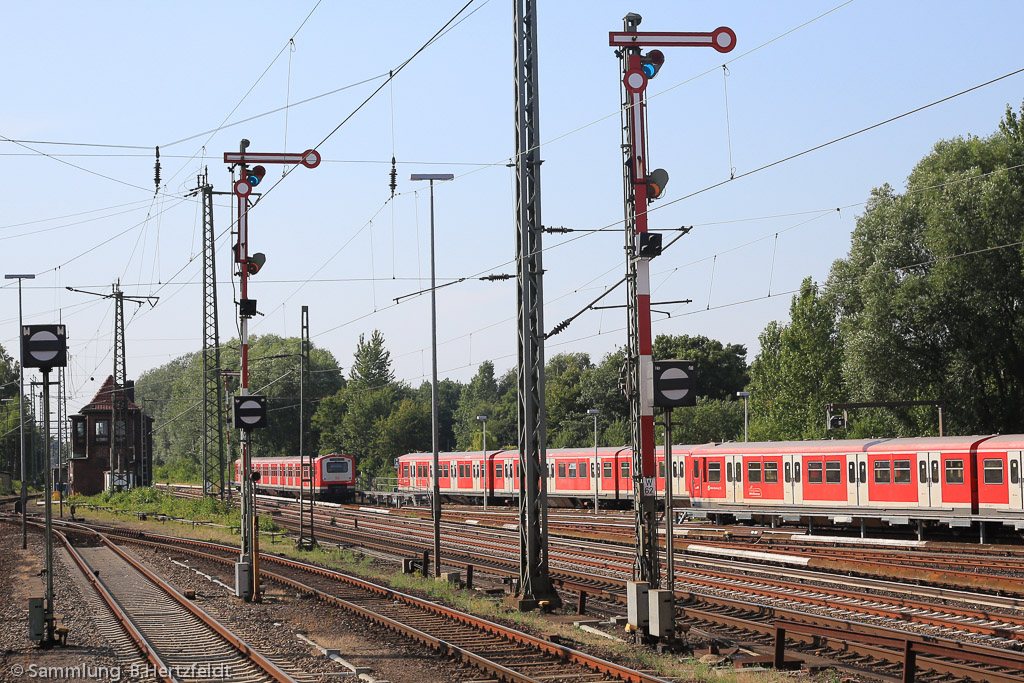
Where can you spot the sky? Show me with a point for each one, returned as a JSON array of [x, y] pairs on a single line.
[[90, 89]]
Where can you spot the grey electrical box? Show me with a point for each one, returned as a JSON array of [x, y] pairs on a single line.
[[36, 619], [243, 580], [637, 604], [662, 613]]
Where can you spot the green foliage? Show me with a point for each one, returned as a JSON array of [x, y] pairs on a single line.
[[798, 371], [721, 370], [157, 502], [372, 365], [929, 295]]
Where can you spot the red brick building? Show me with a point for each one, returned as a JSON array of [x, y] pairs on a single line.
[[90, 444]]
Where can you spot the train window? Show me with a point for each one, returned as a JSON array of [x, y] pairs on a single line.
[[714, 471], [728, 471], [1014, 472], [833, 472], [625, 470], [607, 467], [561, 470], [922, 471], [882, 475], [675, 470], [305, 471], [901, 472], [476, 470], [771, 473], [739, 473], [593, 469], [499, 472], [935, 471], [815, 475], [796, 472], [993, 470], [788, 475], [696, 468], [954, 471], [661, 470], [754, 472], [851, 472], [572, 470], [863, 472]]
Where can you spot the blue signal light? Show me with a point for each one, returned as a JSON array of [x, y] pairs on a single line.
[[649, 70], [255, 175]]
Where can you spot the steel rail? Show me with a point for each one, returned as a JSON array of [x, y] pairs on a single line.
[[147, 650]]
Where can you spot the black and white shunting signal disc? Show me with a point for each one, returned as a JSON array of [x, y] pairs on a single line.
[[44, 346], [675, 383], [250, 412]]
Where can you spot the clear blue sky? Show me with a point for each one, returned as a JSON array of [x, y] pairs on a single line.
[[139, 75]]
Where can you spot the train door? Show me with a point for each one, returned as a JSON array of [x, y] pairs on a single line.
[[696, 480], [1015, 462], [928, 483], [857, 475], [791, 476]]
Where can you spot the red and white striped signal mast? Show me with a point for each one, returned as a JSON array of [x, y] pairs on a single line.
[[640, 187], [247, 569]]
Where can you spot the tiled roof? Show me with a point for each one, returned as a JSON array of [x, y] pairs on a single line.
[[103, 398]]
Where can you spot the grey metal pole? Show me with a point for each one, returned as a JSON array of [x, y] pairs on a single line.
[[670, 557], [746, 432], [597, 465], [435, 436], [21, 413], [48, 489], [487, 469]]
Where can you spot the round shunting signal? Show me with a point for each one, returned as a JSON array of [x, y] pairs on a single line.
[[242, 188]]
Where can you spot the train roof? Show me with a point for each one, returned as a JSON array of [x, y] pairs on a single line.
[[1009, 442], [294, 458], [929, 443], [786, 447]]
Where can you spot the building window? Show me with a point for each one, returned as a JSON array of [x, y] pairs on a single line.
[[993, 470], [954, 471], [102, 428], [833, 472], [754, 472], [882, 475], [714, 471]]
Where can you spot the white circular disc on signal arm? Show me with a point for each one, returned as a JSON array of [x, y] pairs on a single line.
[[242, 188], [674, 394], [723, 39], [311, 158], [635, 81], [43, 355]]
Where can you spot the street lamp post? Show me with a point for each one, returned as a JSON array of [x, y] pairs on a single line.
[[597, 465], [487, 470], [435, 437], [21, 410], [745, 395]]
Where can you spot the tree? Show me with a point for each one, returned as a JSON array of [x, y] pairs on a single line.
[[798, 370], [372, 364], [479, 397], [929, 296], [569, 425]]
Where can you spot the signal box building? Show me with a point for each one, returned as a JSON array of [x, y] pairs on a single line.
[[90, 463]]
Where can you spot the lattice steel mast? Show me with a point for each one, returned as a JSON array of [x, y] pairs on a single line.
[[534, 582], [213, 396]]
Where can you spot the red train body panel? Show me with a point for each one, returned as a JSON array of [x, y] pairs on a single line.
[[946, 478], [333, 476]]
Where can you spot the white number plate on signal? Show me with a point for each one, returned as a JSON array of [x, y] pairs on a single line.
[[648, 486]]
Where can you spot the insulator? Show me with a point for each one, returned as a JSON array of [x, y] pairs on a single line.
[[156, 171], [394, 177]]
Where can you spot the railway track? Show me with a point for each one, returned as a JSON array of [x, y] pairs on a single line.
[[179, 641], [504, 652]]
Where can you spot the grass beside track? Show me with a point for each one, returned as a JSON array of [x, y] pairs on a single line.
[[152, 502]]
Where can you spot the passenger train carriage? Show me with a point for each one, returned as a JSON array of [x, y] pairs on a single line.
[[951, 480], [333, 476]]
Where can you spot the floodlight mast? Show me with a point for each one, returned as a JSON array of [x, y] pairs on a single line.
[[642, 185]]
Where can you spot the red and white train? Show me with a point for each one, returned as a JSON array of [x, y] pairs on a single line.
[[953, 480], [334, 476]]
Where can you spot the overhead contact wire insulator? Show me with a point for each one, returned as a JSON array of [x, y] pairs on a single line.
[[394, 177], [156, 170]]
